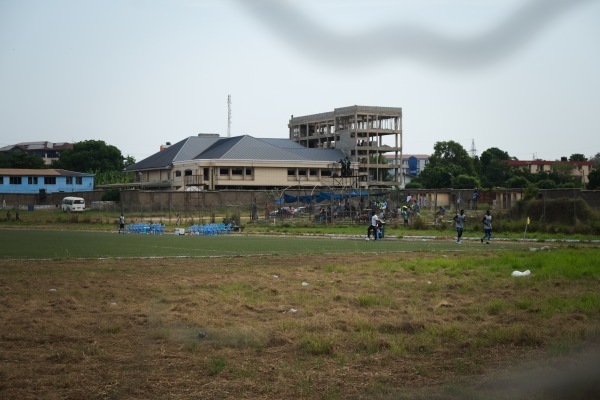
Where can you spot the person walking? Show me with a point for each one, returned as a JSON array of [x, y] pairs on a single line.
[[487, 227], [122, 223], [374, 226], [460, 221]]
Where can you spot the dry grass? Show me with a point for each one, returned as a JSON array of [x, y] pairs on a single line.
[[246, 327]]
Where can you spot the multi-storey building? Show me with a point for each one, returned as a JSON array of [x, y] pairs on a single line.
[[363, 133]]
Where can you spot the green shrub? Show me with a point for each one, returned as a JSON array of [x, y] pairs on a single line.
[[112, 195], [419, 223]]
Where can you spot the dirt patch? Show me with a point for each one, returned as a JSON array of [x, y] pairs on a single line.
[[342, 326]]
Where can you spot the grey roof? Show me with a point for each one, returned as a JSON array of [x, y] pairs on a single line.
[[184, 150], [235, 148], [44, 145]]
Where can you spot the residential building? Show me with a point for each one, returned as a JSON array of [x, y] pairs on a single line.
[[580, 169], [362, 133], [47, 151], [410, 165], [38, 181], [211, 162]]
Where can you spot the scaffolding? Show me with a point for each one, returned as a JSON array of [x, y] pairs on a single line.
[[363, 133]]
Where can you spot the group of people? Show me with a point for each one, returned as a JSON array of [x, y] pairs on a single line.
[[460, 220], [346, 167], [17, 217]]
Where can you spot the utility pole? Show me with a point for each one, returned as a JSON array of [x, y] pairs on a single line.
[[229, 115]]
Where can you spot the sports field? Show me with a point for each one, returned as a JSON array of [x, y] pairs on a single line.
[[98, 315], [57, 244]]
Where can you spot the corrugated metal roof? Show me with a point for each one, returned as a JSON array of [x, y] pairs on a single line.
[[220, 148], [250, 148], [283, 143], [184, 150], [195, 145], [39, 172], [235, 148]]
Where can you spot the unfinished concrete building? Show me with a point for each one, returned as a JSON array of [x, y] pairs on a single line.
[[363, 133]]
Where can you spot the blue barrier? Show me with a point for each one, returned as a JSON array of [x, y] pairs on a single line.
[[146, 228], [209, 229]]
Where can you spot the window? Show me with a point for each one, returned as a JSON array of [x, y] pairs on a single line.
[[50, 180], [78, 180], [69, 180], [237, 171], [15, 180], [313, 172], [248, 171], [224, 171], [1, 180], [177, 174], [32, 180], [188, 172], [302, 172], [325, 172], [291, 172]]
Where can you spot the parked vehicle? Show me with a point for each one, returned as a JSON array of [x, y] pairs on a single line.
[[73, 204]]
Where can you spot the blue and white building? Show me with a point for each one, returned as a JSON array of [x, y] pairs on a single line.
[[35, 181]]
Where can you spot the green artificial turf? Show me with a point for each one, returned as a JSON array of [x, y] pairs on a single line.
[[57, 244]]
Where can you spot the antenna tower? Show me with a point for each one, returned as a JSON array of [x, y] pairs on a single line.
[[228, 115], [473, 149]]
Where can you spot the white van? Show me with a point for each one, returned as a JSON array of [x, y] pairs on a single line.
[[74, 204]]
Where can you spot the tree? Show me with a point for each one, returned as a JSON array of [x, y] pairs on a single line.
[[493, 168], [594, 180], [577, 157], [518, 182], [438, 176], [451, 153], [465, 182], [413, 185], [596, 160], [21, 160], [91, 156], [127, 161], [448, 160], [546, 184], [562, 174]]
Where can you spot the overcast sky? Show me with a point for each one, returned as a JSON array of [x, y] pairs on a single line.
[[520, 75]]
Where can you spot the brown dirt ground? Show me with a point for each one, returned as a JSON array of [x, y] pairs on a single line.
[[225, 328]]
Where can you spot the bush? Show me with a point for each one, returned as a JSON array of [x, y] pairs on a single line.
[[112, 195], [419, 223], [413, 185], [560, 211]]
